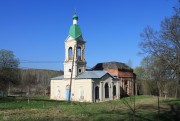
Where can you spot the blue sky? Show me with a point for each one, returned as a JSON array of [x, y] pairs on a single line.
[[35, 30]]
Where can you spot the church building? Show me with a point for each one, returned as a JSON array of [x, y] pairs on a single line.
[[82, 85], [123, 72]]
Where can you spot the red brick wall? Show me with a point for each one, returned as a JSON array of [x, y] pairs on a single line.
[[113, 71], [124, 74], [120, 73]]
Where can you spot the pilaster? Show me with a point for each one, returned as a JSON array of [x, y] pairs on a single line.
[[101, 91], [118, 90]]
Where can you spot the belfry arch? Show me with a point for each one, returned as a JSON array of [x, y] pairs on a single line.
[[70, 53], [79, 51]]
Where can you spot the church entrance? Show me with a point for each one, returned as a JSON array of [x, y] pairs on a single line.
[[67, 92]]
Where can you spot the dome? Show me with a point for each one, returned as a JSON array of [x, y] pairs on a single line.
[[75, 17]]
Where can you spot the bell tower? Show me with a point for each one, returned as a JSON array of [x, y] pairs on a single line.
[[74, 51]]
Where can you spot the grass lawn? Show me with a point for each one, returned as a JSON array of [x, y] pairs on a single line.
[[43, 109]]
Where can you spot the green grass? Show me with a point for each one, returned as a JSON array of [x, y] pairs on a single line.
[[43, 109]]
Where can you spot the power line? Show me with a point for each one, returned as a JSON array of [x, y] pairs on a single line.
[[28, 61], [40, 62]]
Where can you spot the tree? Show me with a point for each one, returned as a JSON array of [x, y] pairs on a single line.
[[163, 52], [9, 69], [164, 45], [141, 80], [29, 82]]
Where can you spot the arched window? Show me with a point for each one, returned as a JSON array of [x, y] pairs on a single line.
[[79, 53], [96, 92], [125, 82], [70, 53], [114, 90], [106, 90], [57, 92]]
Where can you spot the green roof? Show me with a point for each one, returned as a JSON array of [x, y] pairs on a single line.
[[75, 17], [75, 31]]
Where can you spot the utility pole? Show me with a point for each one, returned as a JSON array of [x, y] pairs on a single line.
[[69, 98], [134, 106], [9, 89]]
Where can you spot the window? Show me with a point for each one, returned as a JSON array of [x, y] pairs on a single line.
[[79, 53], [57, 92], [115, 77], [70, 53], [125, 82], [97, 92], [81, 93], [114, 90], [106, 90]]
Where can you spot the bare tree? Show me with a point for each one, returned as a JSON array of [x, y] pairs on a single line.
[[163, 50], [164, 44], [131, 104], [27, 81]]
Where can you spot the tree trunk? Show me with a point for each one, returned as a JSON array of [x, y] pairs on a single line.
[[28, 94]]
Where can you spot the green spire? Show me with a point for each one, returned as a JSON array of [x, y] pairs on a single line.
[[75, 30]]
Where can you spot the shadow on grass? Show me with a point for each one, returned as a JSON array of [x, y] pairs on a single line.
[[147, 106], [166, 114], [15, 98], [107, 112], [7, 99], [172, 102], [147, 112], [118, 115], [175, 112]]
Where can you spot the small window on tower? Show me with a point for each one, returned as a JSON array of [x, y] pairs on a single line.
[[69, 70], [79, 70], [70, 53]]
